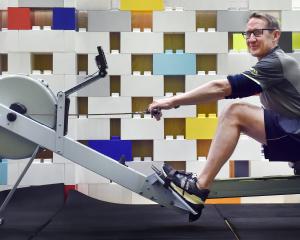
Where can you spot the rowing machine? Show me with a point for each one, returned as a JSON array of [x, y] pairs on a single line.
[[23, 134]]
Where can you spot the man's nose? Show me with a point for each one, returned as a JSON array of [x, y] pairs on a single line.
[[252, 37]]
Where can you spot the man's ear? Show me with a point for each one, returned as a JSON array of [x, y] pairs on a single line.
[[276, 35]]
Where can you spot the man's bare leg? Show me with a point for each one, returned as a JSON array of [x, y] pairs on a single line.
[[237, 118]]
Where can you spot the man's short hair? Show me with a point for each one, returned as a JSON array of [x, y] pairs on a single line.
[[271, 21]]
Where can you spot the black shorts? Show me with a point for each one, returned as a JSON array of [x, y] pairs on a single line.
[[283, 137]]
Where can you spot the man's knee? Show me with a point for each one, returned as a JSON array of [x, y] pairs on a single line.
[[235, 112], [239, 114]]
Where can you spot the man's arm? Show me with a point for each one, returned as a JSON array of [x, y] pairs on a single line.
[[212, 91], [209, 92], [235, 86]]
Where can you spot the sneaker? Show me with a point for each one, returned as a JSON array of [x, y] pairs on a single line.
[[185, 185]]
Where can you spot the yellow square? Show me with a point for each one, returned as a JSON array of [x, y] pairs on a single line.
[[142, 5], [201, 127]]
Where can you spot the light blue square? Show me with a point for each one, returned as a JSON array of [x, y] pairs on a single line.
[[174, 64], [3, 172]]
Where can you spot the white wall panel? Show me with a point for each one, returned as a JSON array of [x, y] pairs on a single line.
[[139, 86], [232, 21], [174, 21], [109, 21], [174, 150], [290, 21], [64, 63], [295, 198], [43, 173], [103, 105], [83, 188], [70, 3], [118, 64], [246, 149], [197, 166], [238, 4], [3, 42], [142, 42], [72, 128], [295, 4], [141, 129], [93, 4], [9, 41], [234, 63], [12, 171], [84, 175], [73, 105], [55, 82], [110, 192], [92, 66], [87, 42], [41, 41], [270, 5], [181, 112], [144, 167], [194, 81], [13, 41], [266, 168], [198, 5], [99, 88], [19, 63], [6, 187], [41, 4], [70, 174], [59, 159], [71, 81], [4, 4], [93, 128], [223, 104], [69, 40], [206, 42]]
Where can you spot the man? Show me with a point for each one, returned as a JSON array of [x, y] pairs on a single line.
[[276, 77]]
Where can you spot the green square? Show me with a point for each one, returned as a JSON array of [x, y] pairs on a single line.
[[296, 40], [239, 42]]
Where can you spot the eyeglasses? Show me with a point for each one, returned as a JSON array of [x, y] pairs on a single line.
[[256, 32]]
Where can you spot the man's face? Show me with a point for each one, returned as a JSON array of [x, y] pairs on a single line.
[[259, 46]]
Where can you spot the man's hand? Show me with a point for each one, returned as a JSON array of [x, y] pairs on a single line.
[[157, 105]]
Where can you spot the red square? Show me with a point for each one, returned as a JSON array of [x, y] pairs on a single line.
[[18, 18]]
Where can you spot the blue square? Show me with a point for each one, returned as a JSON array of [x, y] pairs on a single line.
[[114, 148], [64, 19], [241, 168]]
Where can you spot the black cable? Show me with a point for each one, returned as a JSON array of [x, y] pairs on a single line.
[[88, 114], [227, 222]]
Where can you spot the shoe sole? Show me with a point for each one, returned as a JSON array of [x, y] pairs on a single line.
[[190, 198], [194, 211]]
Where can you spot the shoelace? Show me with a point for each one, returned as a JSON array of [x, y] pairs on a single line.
[[188, 176]]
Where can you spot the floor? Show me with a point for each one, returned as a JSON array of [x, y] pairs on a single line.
[[42, 213]]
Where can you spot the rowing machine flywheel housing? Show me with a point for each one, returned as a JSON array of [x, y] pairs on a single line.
[[39, 103]]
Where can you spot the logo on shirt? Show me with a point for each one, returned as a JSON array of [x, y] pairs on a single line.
[[253, 71]]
